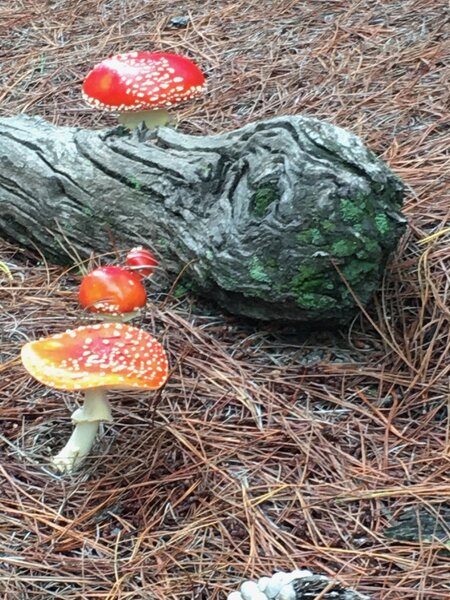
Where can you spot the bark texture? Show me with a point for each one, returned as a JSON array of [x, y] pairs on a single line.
[[311, 588], [279, 218], [422, 524]]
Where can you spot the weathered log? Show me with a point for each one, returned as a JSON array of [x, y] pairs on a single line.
[[282, 219], [422, 524]]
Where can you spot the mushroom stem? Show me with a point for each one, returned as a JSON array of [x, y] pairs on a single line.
[[86, 419], [77, 447], [151, 118], [117, 317]]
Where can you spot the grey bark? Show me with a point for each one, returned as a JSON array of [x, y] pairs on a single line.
[[422, 524], [311, 588], [282, 219]]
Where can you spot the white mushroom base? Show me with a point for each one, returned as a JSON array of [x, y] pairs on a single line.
[[86, 419], [281, 587]]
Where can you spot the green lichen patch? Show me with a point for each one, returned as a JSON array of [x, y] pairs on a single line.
[[358, 270], [205, 170], [308, 279], [309, 286], [263, 197], [311, 236], [382, 223], [135, 183], [258, 271], [361, 197], [351, 211], [88, 212], [370, 248], [344, 247], [328, 226], [313, 301]]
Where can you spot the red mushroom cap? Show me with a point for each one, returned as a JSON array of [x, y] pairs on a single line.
[[112, 290], [101, 355], [137, 81], [142, 260]]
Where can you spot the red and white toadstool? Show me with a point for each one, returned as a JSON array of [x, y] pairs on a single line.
[[114, 293], [141, 261], [93, 359], [142, 85]]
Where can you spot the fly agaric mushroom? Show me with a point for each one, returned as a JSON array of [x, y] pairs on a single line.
[[93, 359], [142, 85], [141, 260], [115, 293]]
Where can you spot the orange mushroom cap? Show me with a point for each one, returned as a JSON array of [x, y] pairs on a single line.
[[110, 355], [112, 289]]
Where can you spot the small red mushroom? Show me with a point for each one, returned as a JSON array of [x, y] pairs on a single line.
[[141, 260], [143, 83], [93, 359], [113, 292]]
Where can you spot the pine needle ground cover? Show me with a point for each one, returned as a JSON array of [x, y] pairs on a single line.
[[268, 448]]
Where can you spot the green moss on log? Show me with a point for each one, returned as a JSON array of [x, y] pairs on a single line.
[[263, 197], [357, 270], [309, 285], [316, 302], [258, 271], [312, 235], [352, 211], [382, 224], [344, 247]]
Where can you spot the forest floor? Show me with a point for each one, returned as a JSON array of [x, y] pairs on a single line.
[[267, 449]]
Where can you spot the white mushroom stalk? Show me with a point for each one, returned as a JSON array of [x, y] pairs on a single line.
[[86, 419], [152, 118], [93, 359], [118, 317]]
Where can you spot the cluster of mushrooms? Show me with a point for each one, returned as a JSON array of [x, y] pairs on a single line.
[[105, 355], [140, 86]]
